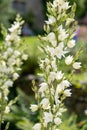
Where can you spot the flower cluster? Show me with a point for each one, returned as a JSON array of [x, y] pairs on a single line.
[[57, 44], [11, 58]]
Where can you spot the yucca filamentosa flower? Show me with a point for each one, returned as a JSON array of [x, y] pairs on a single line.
[[56, 45], [11, 59]]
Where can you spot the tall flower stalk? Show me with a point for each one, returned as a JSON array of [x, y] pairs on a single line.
[[11, 58], [57, 43]]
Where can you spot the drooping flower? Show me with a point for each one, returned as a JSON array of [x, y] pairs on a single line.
[[48, 117], [57, 121], [68, 60], [51, 20], [43, 88], [71, 43], [77, 65], [67, 92], [52, 39], [45, 103], [37, 126], [59, 75], [34, 107]]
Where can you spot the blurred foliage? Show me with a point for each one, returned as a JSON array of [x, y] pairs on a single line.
[[29, 18], [6, 11], [31, 66], [79, 77], [82, 47], [81, 8], [73, 122], [69, 122]]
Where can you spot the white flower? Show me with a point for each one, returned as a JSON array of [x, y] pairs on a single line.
[[51, 76], [43, 87], [65, 6], [18, 62], [62, 36], [3, 63], [60, 87], [48, 68], [51, 20], [54, 65], [11, 61], [59, 113], [34, 107], [62, 5], [57, 121], [50, 50], [14, 27], [77, 65], [47, 61], [68, 60], [8, 37], [57, 2], [41, 64], [15, 76], [45, 103], [37, 126], [62, 33], [12, 37], [48, 117], [6, 92], [5, 55], [7, 109], [67, 92], [17, 53], [65, 83], [71, 43], [24, 56], [52, 39], [62, 109], [85, 111], [9, 50], [59, 75], [58, 51], [9, 83], [57, 101]]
